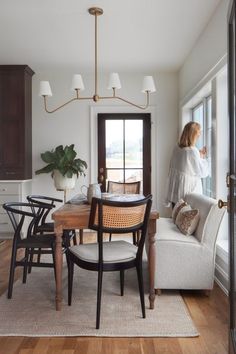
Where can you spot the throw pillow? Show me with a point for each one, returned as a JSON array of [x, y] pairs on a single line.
[[187, 220], [178, 206]]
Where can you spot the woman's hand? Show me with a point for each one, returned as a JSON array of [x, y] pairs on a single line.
[[203, 152]]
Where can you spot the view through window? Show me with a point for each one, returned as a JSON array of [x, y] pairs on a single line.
[[202, 113], [124, 150]]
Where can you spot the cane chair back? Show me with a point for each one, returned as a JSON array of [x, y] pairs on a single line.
[[118, 217], [123, 188]]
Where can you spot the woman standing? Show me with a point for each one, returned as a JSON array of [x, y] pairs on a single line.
[[188, 165]]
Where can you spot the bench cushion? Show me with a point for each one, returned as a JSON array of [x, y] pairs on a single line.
[[168, 231]]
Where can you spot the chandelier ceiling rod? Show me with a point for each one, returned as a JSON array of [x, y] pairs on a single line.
[[114, 81]]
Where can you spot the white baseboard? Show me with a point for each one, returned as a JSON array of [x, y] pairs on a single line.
[[222, 286], [221, 278]]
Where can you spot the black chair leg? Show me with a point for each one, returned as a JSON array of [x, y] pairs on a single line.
[[67, 236], [39, 255], [26, 265], [70, 280], [110, 237], [134, 238], [141, 289], [122, 275], [30, 259], [12, 271], [99, 297], [137, 237]]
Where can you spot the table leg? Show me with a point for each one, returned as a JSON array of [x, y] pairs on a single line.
[[81, 236], [58, 265], [151, 260]]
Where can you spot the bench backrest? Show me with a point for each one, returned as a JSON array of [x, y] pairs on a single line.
[[210, 217]]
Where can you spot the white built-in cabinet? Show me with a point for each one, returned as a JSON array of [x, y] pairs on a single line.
[[11, 191]]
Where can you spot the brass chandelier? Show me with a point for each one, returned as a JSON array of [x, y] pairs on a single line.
[[114, 81]]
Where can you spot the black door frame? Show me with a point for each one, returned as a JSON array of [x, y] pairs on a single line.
[[146, 117]]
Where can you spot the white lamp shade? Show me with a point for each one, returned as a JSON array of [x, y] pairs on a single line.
[[148, 84], [114, 81], [77, 83], [45, 89]]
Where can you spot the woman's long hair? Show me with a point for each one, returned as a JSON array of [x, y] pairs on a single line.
[[188, 136]]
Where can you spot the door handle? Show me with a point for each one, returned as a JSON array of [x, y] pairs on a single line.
[[100, 178], [102, 175], [222, 204]]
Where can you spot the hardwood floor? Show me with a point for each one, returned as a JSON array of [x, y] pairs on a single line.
[[210, 315]]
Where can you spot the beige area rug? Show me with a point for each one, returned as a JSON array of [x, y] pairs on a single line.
[[31, 311]]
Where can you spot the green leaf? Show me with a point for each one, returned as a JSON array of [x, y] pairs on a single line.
[[69, 174], [70, 153], [63, 160], [48, 157], [46, 169], [59, 152]]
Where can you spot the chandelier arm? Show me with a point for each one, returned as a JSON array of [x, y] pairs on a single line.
[[129, 102], [64, 104]]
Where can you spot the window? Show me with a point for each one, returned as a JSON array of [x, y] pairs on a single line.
[[202, 114]]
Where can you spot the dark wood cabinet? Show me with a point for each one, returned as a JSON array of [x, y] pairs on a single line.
[[15, 122]]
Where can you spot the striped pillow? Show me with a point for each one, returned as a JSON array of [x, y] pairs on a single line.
[[187, 220], [178, 206]]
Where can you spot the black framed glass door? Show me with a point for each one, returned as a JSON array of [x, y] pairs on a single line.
[[124, 149]]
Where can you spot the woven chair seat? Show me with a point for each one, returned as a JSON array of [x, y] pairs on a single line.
[[116, 251], [46, 227], [37, 241]]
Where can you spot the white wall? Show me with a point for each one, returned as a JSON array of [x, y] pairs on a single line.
[[72, 124], [209, 49], [206, 59]]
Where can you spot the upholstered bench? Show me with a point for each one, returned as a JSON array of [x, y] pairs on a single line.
[[188, 261]]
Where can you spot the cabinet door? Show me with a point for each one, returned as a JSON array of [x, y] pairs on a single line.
[[15, 120]]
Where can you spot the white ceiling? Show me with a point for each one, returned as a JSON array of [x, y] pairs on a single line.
[[134, 35]]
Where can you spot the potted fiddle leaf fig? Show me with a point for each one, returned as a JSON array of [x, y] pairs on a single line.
[[63, 165]]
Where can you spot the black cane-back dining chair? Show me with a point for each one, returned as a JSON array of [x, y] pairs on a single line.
[[24, 216], [108, 216], [125, 188]]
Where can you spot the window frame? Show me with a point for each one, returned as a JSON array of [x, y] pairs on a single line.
[[211, 192]]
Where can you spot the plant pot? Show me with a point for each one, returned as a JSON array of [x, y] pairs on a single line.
[[62, 182]]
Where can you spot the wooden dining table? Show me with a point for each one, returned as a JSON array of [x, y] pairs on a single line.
[[76, 216]]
